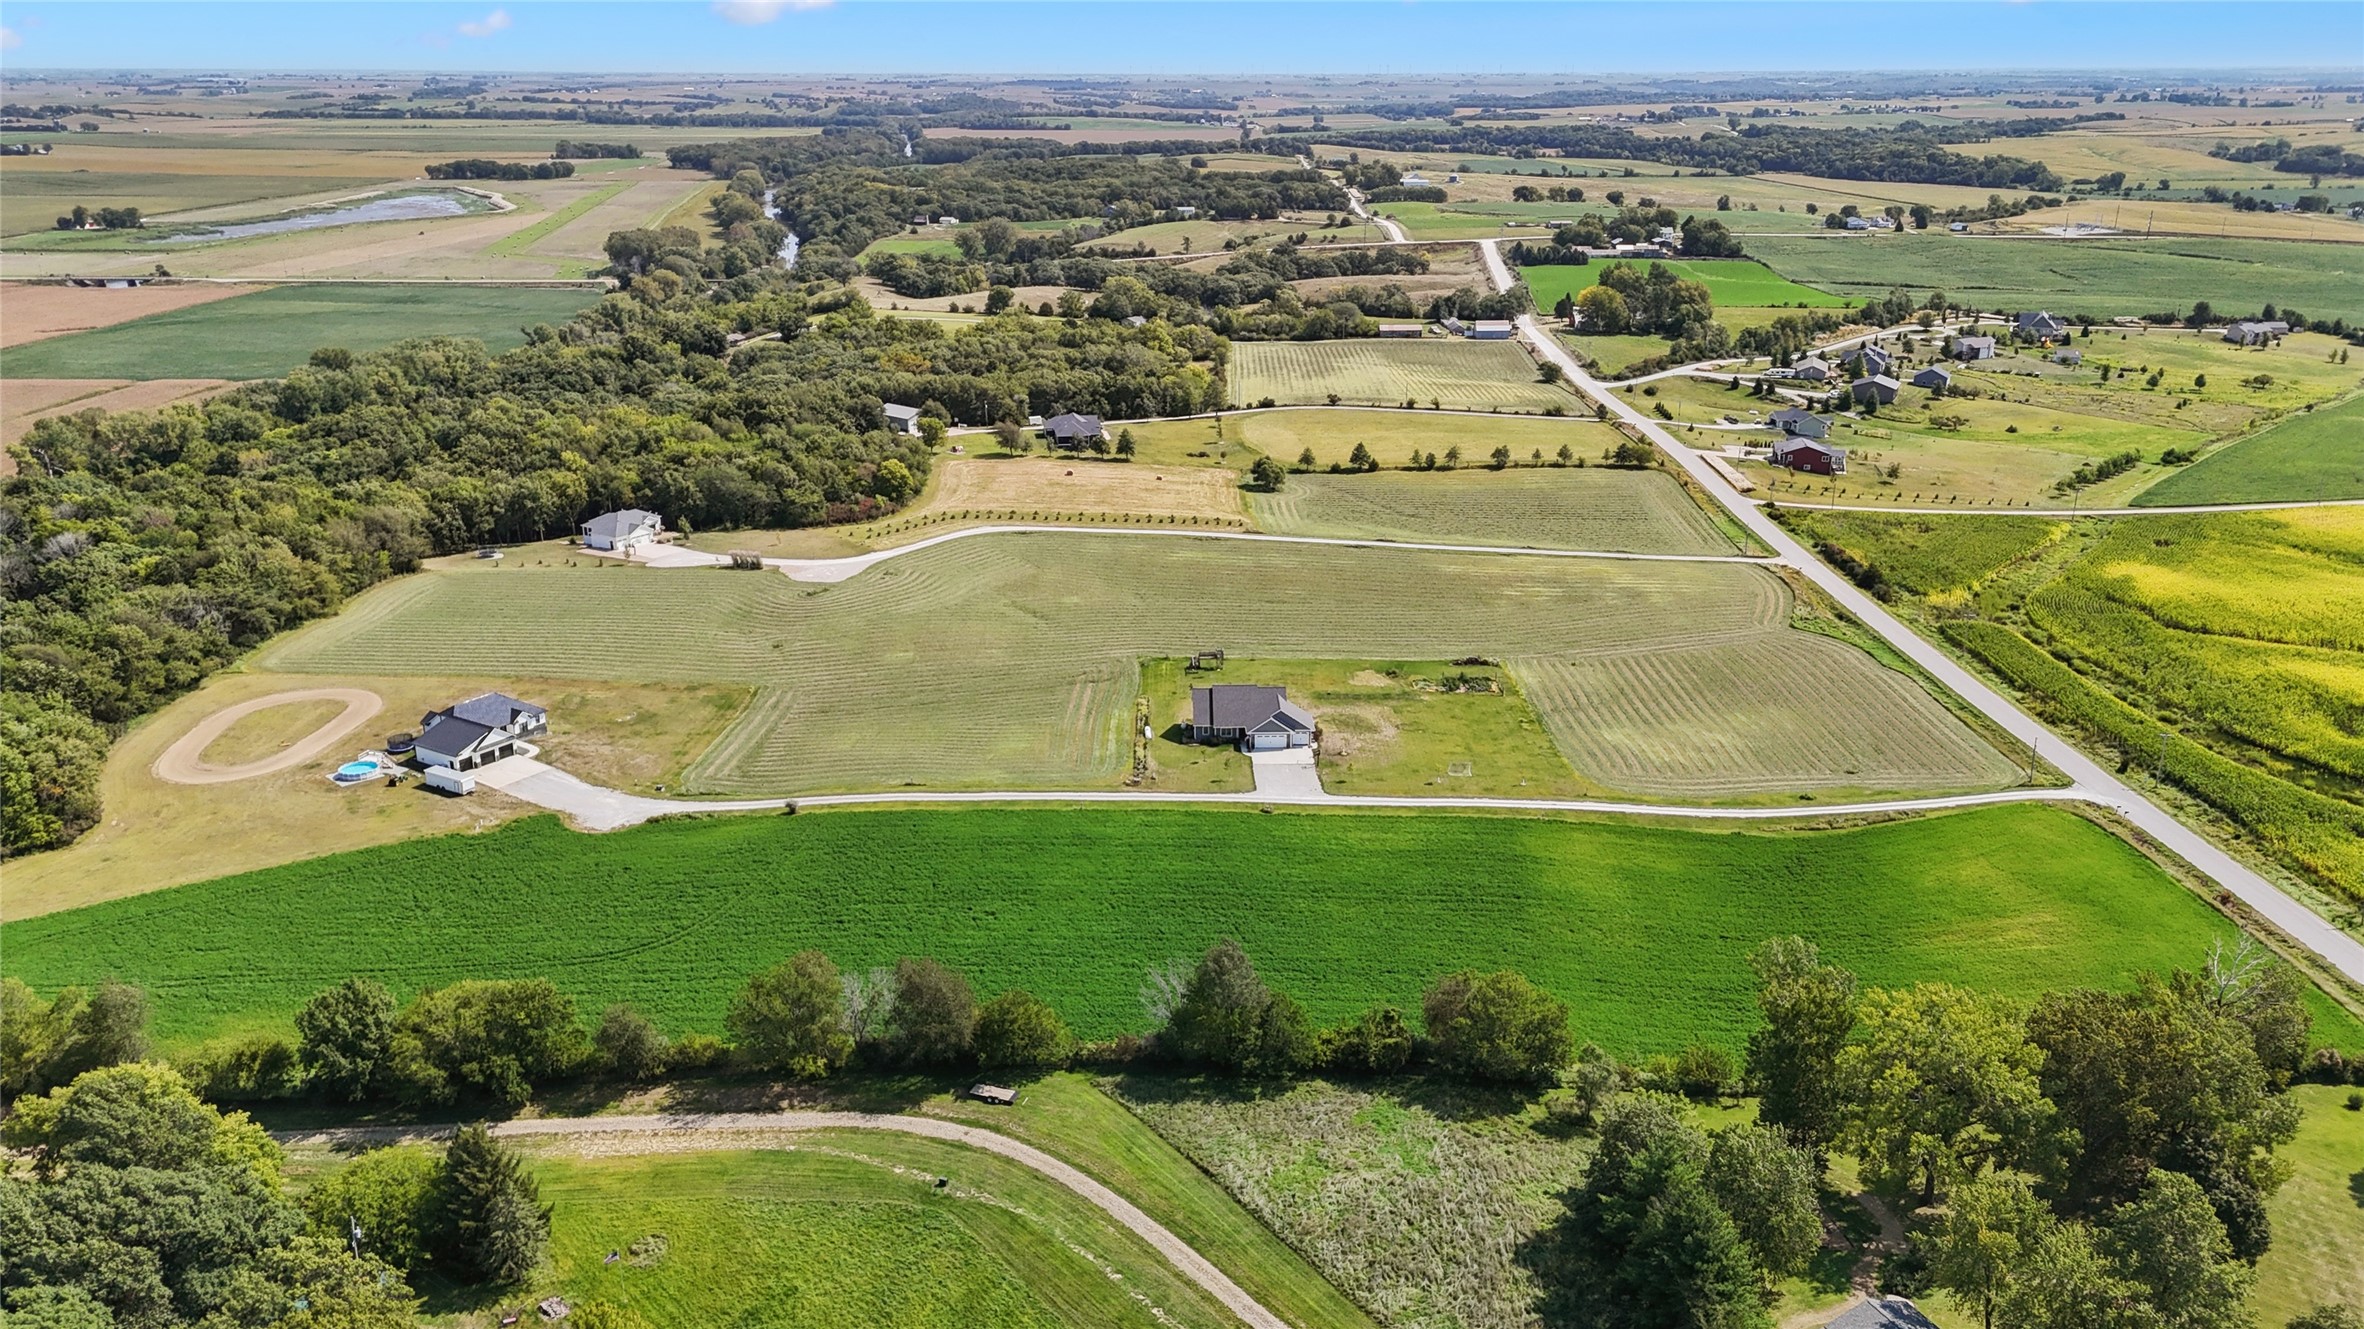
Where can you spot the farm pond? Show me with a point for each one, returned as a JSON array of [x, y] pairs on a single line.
[[410, 205]]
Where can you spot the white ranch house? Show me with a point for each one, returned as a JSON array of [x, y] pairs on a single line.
[[617, 531]]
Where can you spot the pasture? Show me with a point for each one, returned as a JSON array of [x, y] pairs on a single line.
[[1551, 507], [2319, 454], [1731, 281], [861, 685], [2103, 277], [268, 332], [1643, 930], [2318, 1250], [1455, 373]]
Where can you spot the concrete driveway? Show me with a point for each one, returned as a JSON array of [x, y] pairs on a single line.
[[1288, 773]]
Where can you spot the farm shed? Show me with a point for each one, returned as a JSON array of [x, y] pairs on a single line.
[[1401, 329], [1806, 454], [1259, 717], [1071, 430], [622, 530], [901, 419], [1491, 329], [1799, 423], [1877, 388]]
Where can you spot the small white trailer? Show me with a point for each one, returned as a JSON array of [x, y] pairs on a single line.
[[444, 779]]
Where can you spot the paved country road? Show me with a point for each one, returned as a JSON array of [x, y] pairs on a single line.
[[1197, 1268], [2341, 951]]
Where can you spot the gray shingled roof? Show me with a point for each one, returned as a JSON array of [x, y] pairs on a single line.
[[894, 412], [1071, 425], [495, 709], [1246, 706], [609, 525], [1883, 1313], [451, 735]]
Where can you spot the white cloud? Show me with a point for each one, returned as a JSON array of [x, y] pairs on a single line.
[[748, 12], [486, 26], [10, 39]]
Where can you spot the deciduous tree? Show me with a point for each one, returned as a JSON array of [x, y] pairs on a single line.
[[791, 1017]]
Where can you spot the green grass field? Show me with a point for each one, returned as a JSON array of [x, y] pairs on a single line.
[[860, 691], [270, 332], [1929, 555], [2318, 1250], [2319, 454], [1547, 507], [1461, 374], [825, 1222], [1643, 930], [2102, 277], [1735, 281]]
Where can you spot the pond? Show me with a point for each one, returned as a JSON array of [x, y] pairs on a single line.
[[421, 205]]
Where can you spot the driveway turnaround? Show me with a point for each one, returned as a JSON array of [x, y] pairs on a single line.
[[1192, 1265], [2341, 951]]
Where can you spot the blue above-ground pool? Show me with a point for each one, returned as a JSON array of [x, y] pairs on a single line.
[[358, 770]]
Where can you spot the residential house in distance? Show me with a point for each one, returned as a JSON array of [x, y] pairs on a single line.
[[484, 728], [901, 419], [1877, 388], [2068, 355], [1973, 348], [1415, 181], [619, 531], [2037, 325], [1813, 368], [1491, 329], [1185, 211], [1867, 359], [1810, 455], [1072, 431], [2254, 332], [1798, 423], [1258, 717], [1936, 378]]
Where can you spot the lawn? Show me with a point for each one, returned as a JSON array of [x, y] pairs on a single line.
[[1368, 371], [1644, 930], [1011, 661], [1734, 281], [1543, 507], [2318, 454], [2318, 1215], [808, 1229], [270, 332], [2101, 277]]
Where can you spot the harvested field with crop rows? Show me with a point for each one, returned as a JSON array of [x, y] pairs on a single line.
[[1013, 660], [1459, 374], [1542, 507]]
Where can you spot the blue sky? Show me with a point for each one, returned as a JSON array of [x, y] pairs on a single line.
[[1238, 37]]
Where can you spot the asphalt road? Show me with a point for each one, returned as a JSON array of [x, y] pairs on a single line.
[[2341, 951]]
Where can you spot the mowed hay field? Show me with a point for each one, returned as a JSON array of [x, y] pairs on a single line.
[[269, 332], [31, 311], [1735, 281], [1552, 507], [1052, 484], [1366, 371], [1644, 931], [1013, 660], [2316, 455]]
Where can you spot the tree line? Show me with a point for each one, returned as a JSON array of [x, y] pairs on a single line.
[[484, 168], [140, 551]]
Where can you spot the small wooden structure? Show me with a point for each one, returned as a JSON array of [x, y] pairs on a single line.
[[746, 560], [997, 1095], [1205, 660]]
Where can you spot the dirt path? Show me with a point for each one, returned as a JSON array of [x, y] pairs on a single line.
[[668, 1130], [182, 762]]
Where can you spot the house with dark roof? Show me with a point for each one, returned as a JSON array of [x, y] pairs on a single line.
[[1883, 1313], [1867, 359], [1813, 368], [1972, 348], [1813, 455], [1258, 717], [1875, 388], [484, 728], [2037, 325], [1799, 423], [622, 530], [901, 419], [1936, 378], [1071, 430]]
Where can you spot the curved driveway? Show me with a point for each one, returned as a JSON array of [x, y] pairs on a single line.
[[1197, 1268], [2341, 951], [184, 763]]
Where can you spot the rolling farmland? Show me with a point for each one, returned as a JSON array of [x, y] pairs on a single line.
[[1643, 930], [1731, 281], [272, 331], [2316, 455], [861, 688], [1541, 507], [1366, 371]]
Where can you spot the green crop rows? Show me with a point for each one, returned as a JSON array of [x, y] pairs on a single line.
[[2315, 455], [1546, 508], [1011, 660], [1459, 374], [1644, 930], [1736, 282]]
